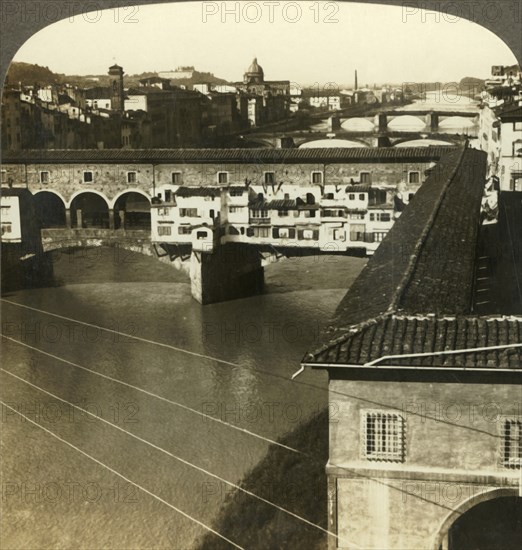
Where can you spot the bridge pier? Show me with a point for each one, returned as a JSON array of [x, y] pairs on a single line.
[[383, 122], [230, 271], [79, 218], [433, 120], [68, 222], [383, 141]]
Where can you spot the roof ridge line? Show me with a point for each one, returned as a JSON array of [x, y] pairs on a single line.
[[421, 241], [350, 331]]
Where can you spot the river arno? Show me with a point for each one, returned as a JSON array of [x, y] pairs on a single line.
[[166, 368]]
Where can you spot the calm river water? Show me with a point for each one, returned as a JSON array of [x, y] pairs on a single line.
[[189, 397]]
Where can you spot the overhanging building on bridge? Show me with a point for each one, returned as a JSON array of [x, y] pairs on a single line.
[[275, 201]]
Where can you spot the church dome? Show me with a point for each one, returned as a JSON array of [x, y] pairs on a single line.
[[254, 72]]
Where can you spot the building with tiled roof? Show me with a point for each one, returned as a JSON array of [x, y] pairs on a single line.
[[408, 357]]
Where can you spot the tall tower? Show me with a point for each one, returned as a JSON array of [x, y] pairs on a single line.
[[117, 94], [355, 82]]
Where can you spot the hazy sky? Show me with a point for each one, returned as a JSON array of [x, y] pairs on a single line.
[[292, 40]]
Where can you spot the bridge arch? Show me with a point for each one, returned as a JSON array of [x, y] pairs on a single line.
[[132, 210], [253, 143], [505, 501], [50, 209], [423, 142], [93, 191], [406, 122], [347, 143], [89, 209], [358, 124], [457, 123], [112, 203]]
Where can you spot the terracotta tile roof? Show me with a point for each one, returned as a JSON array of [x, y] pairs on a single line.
[[209, 156], [415, 293], [397, 334]]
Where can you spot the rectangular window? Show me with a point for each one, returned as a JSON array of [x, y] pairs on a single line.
[[131, 177], [361, 196], [176, 178], [88, 177], [235, 209], [168, 195], [351, 197], [357, 231], [222, 177], [236, 192], [365, 177], [269, 178], [184, 230], [512, 443], [7, 227], [259, 213], [317, 177], [164, 212], [380, 217], [282, 213], [164, 230], [414, 177], [44, 177], [260, 232], [188, 212], [382, 436]]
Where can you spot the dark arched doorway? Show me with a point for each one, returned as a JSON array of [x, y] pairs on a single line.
[[132, 211], [89, 210], [50, 210], [495, 524]]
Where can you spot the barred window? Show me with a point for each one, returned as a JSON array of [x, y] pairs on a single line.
[[512, 443], [383, 436]]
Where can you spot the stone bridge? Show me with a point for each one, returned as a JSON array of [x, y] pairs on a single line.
[[233, 270], [383, 129]]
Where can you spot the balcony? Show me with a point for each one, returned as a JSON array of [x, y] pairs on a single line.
[[259, 221]]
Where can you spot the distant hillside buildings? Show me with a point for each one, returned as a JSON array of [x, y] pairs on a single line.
[[156, 113]]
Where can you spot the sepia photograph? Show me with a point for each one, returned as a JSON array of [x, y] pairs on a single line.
[[261, 275]]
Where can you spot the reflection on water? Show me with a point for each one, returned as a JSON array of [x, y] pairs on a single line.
[[230, 361]]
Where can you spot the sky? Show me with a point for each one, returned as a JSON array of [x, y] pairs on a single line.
[[305, 42]]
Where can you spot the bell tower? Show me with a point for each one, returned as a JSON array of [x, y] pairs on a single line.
[[117, 94]]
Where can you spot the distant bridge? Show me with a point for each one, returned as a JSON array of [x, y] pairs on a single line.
[[383, 129]]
